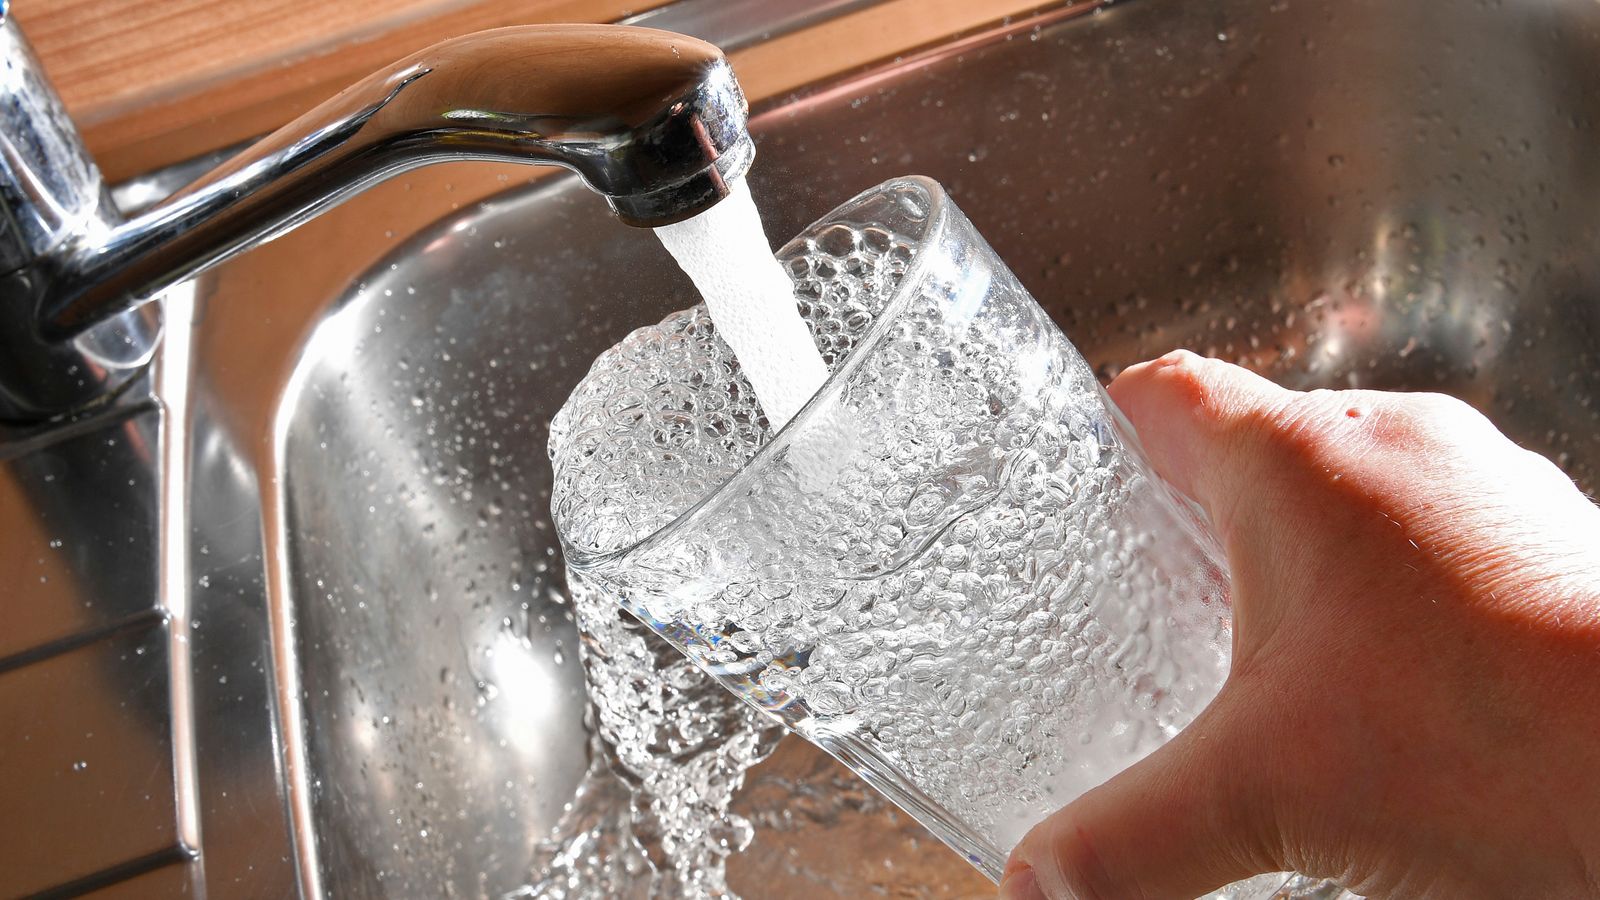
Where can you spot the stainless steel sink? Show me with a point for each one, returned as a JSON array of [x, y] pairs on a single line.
[[386, 697]]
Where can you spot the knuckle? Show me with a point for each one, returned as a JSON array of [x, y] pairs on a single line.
[[1432, 424], [1432, 411], [1321, 432], [1178, 358], [1328, 421], [1190, 377]]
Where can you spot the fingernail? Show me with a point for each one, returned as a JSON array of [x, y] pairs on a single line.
[[1021, 885]]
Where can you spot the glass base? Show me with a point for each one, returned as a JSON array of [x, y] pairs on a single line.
[[886, 778]]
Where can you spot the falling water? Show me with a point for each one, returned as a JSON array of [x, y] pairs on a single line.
[[670, 746]]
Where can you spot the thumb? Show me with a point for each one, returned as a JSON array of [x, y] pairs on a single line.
[[1176, 825], [1200, 422]]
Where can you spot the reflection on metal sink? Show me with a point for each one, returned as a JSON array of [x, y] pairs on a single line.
[[1333, 192]]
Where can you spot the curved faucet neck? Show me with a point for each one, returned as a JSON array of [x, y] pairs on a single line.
[[653, 121]]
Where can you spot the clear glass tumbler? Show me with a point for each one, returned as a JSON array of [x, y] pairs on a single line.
[[954, 570]]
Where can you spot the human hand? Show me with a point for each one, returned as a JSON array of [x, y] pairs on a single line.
[[1413, 707]]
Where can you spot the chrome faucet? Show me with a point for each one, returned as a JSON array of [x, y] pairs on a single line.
[[652, 121]]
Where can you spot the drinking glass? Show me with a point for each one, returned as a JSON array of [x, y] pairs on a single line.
[[953, 570]]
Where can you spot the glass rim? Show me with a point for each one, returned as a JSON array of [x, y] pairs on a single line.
[[937, 221]]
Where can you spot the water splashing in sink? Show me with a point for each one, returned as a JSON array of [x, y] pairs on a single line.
[[670, 749], [670, 746]]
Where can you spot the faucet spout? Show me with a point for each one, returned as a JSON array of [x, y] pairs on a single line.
[[652, 121]]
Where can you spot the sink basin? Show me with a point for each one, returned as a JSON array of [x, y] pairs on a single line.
[[387, 694]]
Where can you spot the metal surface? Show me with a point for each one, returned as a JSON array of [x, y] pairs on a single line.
[[732, 24], [49, 187], [169, 882], [1333, 192], [85, 561], [50, 193], [139, 194], [430, 629], [88, 780], [652, 121]]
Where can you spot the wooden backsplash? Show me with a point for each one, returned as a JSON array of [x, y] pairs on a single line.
[[152, 82]]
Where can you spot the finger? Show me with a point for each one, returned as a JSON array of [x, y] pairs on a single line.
[[1178, 824], [1200, 422]]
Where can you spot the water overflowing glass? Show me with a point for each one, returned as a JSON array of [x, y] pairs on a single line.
[[951, 569], [669, 749]]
